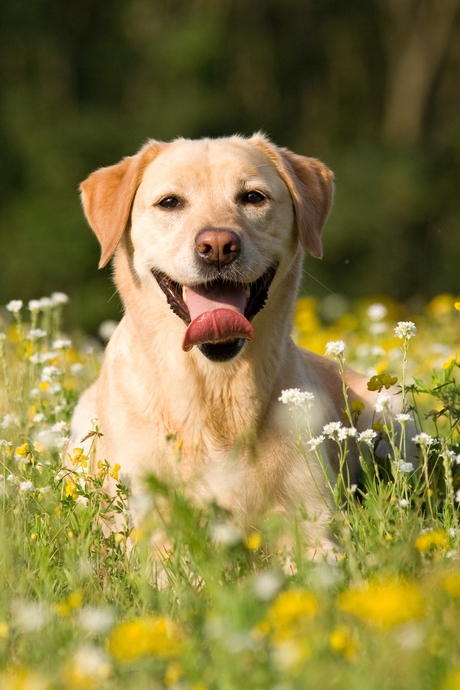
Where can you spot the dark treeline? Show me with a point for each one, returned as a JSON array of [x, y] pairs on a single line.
[[372, 87]]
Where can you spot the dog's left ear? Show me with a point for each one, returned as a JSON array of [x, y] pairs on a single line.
[[311, 186], [107, 196]]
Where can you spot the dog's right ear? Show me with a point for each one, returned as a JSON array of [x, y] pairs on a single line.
[[107, 196]]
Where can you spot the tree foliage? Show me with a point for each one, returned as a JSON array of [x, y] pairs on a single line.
[[369, 86]]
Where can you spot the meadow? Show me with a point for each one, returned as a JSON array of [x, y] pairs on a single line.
[[78, 607]]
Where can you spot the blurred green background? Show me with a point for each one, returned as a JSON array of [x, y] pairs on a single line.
[[372, 87]]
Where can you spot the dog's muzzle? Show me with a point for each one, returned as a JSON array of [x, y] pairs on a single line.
[[218, 313]]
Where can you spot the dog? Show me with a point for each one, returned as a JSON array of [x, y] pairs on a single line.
[[208, 238]]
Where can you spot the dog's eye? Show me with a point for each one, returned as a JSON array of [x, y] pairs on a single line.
[[169, 202], [252, 197]]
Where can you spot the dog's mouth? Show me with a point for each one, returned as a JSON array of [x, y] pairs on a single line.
[[218, 313]]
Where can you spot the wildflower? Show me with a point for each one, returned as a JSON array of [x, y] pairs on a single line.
[[36, 334], [44, 440], [424, 440], [22, 451], [335, 348], [14, 306], [405, 330], [382, 402], [296, 397], [347, 432], [341, 641], [71, 489], [290, 654], [49, 372], [30, 616], [38, 418], [457, 496], [267, 584], [385, 604], [403, 502], [62, 344], [332, 429], [26, 486], [37, 358], [313, 443], [59, 426], [378, 327], [45, 303], [403, 418], [377, 311], [431, 540], [10, 420], [367, 436], [225, 533], [451, 584], [357, 407], [115, 470], [173, 674], [61, 443], [292, 607], [34, 305], [59, 298], [148, 636], [404, 466], [76, 368], [253, 541], [96, 620], [379, 381], [89, 666], [107, 329]]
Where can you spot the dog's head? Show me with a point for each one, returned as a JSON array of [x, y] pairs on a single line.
[[211, 222]]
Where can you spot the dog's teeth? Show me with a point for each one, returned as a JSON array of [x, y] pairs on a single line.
[[184, 290]]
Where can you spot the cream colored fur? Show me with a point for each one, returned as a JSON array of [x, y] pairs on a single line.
[[238, 441]]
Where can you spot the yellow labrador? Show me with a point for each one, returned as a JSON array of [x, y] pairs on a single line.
[[209, 237]]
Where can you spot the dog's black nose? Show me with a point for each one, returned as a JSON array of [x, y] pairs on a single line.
[[218, 246]]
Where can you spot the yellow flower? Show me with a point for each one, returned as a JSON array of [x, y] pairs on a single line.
[[115, 470], [155, 636], [74, 600], [71, 488], [253, 541], [44, 385], [291, 608], [172, 675], [357, 406], [4, 630], [341, 641], [379, 381], [79, 458], [385, 604], [451, 584], [430, 541], [440, 305], [23, 450]]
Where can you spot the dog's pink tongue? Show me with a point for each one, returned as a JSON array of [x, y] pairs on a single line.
[[217, 315]]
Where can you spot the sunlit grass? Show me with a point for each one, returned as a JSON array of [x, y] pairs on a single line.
[[78, 607]]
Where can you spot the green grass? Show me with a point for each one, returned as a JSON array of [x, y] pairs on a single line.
[[78, 607]]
